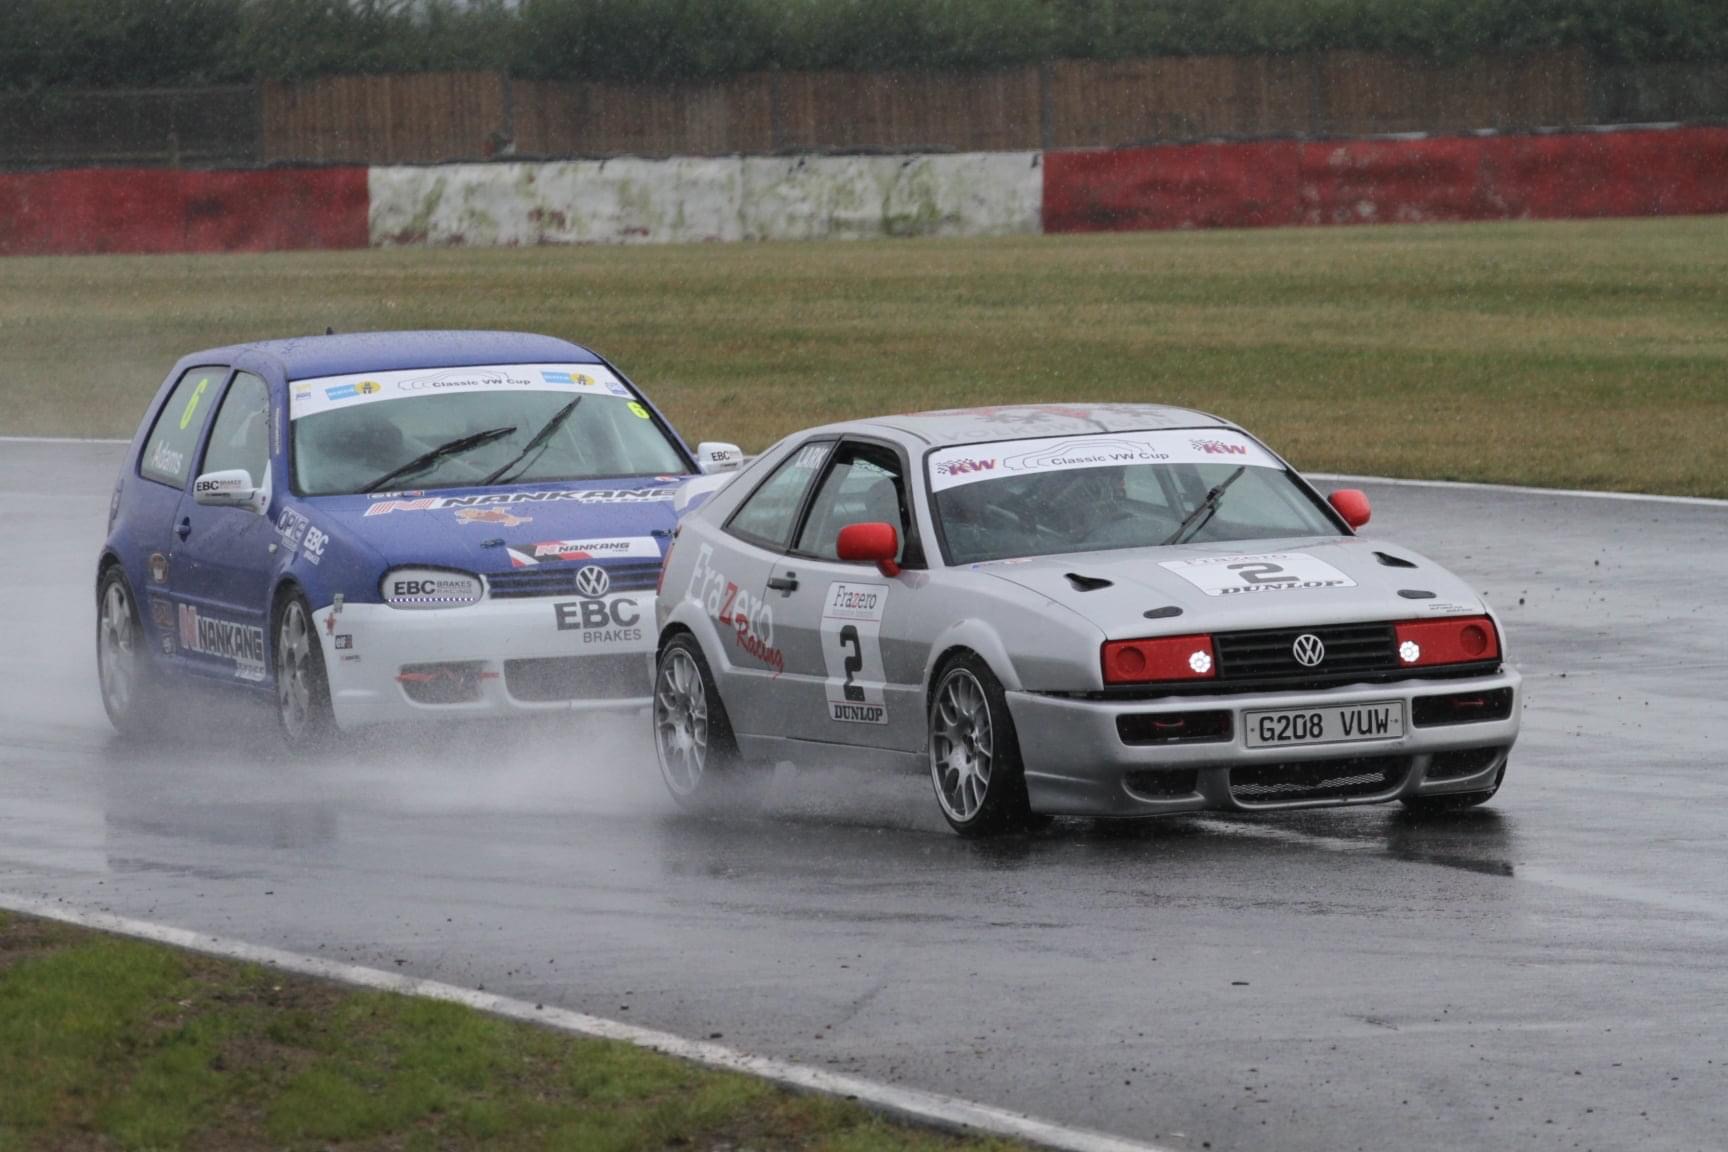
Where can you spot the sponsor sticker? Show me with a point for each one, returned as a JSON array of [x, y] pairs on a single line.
[[312, 396], [748, 619], [343, 641], [1258, 574], [158, 568], [161, 612], [603, 622], [224, 640], [970, 463], [566, 551], [521, 499], [489, 516], [852, 651], [298, 535], [350, 391]]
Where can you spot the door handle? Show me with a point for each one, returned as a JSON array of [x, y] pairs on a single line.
[[185, 528], [786, 583]]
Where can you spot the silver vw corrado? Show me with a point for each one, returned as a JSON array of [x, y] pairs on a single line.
[[1097, 610]]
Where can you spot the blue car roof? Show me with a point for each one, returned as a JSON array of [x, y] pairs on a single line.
[[305, 357]]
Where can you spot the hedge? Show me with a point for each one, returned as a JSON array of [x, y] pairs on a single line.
[[144, 43]]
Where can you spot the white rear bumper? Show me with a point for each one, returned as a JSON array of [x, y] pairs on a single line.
[[494, 658]]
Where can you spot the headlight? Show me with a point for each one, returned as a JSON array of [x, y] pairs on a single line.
[[429, 588]]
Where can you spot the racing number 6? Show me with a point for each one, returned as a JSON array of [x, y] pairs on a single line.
[[854, 662]]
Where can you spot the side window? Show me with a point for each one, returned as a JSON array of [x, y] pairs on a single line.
[[863, 485], [241, 435], [168, 449], [766, 517]]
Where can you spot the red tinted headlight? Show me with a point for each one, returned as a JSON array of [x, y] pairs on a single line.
[[1454, 640], [1163, 658]]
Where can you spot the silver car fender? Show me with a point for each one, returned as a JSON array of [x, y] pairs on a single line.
[[981, 638]]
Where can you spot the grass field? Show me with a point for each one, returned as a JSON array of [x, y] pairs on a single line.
[[108, 1042], [1574, 354]]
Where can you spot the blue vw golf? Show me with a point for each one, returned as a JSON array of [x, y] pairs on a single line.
[[391, 526]]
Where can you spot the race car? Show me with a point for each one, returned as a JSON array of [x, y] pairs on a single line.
[[391, 527], [1106, 610]]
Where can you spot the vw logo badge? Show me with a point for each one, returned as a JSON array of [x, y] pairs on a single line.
[[593, 582], [1308, 650]]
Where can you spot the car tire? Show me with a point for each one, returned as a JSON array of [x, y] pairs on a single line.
[[1456, 802], [693, 739], [975, 765], [304, 716], [126, 674]]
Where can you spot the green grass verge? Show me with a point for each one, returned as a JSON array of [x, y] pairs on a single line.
[[1572, 354], [111, 1042]]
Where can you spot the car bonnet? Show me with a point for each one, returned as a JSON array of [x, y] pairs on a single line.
[[503, 529], [1242, 585]]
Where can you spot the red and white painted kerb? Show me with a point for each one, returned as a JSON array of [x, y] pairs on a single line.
[[1663, 171]]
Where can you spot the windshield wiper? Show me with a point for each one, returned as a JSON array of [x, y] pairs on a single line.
[[1203, 512], [538, 441], [426, 459]]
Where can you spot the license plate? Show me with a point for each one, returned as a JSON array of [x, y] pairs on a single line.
[[1346, 724]]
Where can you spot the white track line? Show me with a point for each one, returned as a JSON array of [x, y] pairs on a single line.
[[928, 1108], [58, 440], [1522, 490]]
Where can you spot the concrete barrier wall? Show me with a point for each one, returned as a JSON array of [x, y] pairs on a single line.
[[178, 210], [696, 200], [728, 199], [1311, 182]]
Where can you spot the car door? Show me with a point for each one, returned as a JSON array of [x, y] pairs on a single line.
[[224, 558], [165, 467], [851, 670], [731, 579]]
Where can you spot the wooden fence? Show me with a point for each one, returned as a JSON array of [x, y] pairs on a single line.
[[427, 118]]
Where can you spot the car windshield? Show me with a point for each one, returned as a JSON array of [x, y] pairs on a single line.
[[463, 427], [1014, 498]]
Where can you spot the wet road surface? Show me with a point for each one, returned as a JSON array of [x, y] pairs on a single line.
[[1548, 972]]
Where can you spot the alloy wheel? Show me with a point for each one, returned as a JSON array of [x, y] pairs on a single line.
[[681, 722], [294, 670], [962, 745], [115, 650]]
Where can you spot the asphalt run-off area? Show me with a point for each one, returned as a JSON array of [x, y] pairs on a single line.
[[1546, 972]]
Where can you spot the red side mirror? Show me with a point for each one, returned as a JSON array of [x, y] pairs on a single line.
[[1352, 504], [874, 543]]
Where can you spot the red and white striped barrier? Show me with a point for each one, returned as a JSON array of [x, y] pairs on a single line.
[[1267, 183]]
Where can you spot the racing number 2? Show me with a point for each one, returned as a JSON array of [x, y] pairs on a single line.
[[854, 662]]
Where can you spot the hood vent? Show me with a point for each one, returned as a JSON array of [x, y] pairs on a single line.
[[1415, 594], [1088, 583], [1163, 613], [1392, 561]]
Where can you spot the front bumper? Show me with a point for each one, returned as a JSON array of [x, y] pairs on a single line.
[[495, 658], [1078, 763]]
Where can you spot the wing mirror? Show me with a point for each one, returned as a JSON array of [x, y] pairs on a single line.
[[231, 488], [715, 456], [1352, 504], [874, 543]]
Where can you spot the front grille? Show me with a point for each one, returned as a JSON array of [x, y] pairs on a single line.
[[1163, 783], [1270, 653], [1461, 708], [1317, 779], [559, 579], [558, 678], [1460, 762], [1138, 729], [457, 682]]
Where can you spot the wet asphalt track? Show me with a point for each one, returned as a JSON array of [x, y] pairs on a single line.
[[1551, 972]]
